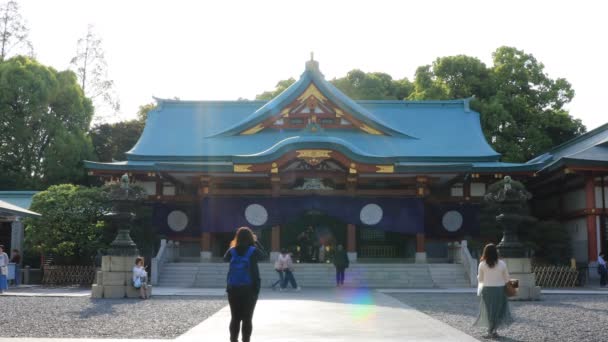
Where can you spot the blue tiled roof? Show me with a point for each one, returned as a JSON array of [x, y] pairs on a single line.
[[433, 135], [590, 148], [210, 130]]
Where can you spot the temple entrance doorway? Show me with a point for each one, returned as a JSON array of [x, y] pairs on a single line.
[[313, 237]]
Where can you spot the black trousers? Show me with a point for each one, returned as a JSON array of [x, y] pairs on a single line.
[[603, 274], [340, 275], [242, 302]]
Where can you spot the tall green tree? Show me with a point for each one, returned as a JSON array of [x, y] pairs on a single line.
[[13, 31], [522, 108], [112, 141], [360, 85], [357, 85], [45, 117], [91, 67], [279, 88]]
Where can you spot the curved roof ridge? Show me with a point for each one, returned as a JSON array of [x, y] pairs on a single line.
[[311, 75]]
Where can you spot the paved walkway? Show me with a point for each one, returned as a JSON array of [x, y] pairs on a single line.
[[328, 315]]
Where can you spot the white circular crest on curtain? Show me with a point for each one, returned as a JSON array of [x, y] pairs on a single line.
[[256, 214], [371, 214], [452, 221], [177, 220]]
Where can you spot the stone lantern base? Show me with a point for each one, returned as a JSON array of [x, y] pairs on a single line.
[[115, 278], [521, 269]]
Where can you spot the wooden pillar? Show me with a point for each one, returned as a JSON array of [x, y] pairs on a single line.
[[275, 243], [351, 242], [205, 246], [420, 250], [591, 218]]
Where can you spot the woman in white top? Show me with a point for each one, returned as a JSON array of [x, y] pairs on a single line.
[[3, 269], [492, 275], [140, 278]]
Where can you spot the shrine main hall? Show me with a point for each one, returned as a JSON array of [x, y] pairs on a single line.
[[386, 179]]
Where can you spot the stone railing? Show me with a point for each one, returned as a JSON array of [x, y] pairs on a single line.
[[167, 252], [468, 262]]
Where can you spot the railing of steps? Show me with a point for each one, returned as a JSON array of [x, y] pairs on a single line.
[[468, 262], [167, 252]]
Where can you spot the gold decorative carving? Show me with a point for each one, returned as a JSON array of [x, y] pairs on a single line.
[[370, 130], [339, 113], [253, 130], [312, 90], [385, 168], [242, 167], [285, 112], [274, 168], [313, 157]]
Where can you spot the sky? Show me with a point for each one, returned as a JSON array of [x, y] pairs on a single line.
[[223, 50]]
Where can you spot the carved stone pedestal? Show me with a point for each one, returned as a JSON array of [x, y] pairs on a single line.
[[115, 278], [521, 269]]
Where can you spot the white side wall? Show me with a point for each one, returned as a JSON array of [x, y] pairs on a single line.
[[578, 235], [598, 196]]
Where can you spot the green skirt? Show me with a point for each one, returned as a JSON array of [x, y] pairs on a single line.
[[494, 310]]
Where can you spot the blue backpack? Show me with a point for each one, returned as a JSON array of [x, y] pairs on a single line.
[[239, 273]]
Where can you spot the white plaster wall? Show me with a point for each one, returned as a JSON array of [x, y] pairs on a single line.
[[598, 196], [574, 200], [578, 235]]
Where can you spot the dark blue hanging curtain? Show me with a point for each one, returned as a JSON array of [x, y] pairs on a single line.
[[435, 227], [404, 215]]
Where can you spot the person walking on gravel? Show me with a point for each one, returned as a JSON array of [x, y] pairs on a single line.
[[243, 281], [278, 267], [493, 276], [287, 263]]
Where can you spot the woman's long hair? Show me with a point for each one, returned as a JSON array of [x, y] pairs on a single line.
[[490, 255], [243, 237]]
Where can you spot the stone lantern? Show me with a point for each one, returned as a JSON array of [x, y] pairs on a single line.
[[114, 279], [511, 200]]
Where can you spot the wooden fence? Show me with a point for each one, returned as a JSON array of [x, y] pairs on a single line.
[[556, 276], [68, 275]]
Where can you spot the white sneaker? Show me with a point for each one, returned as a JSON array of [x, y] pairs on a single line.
[[297, 289]]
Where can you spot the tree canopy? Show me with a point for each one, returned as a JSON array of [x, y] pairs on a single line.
[[45, 118], [72, 226], [522, 108], [90, 66], [13, 31]]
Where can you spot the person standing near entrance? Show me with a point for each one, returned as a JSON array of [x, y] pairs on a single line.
[[601, 269], [3, 270], [493, 276], [341, 262], [243, 281]]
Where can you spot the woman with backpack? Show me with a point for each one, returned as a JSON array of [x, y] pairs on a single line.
[[243, 281]]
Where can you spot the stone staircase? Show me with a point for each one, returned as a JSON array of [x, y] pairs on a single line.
[[388, 275]]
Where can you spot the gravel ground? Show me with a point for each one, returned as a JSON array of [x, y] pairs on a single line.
[[562, 318], [160, 317]]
